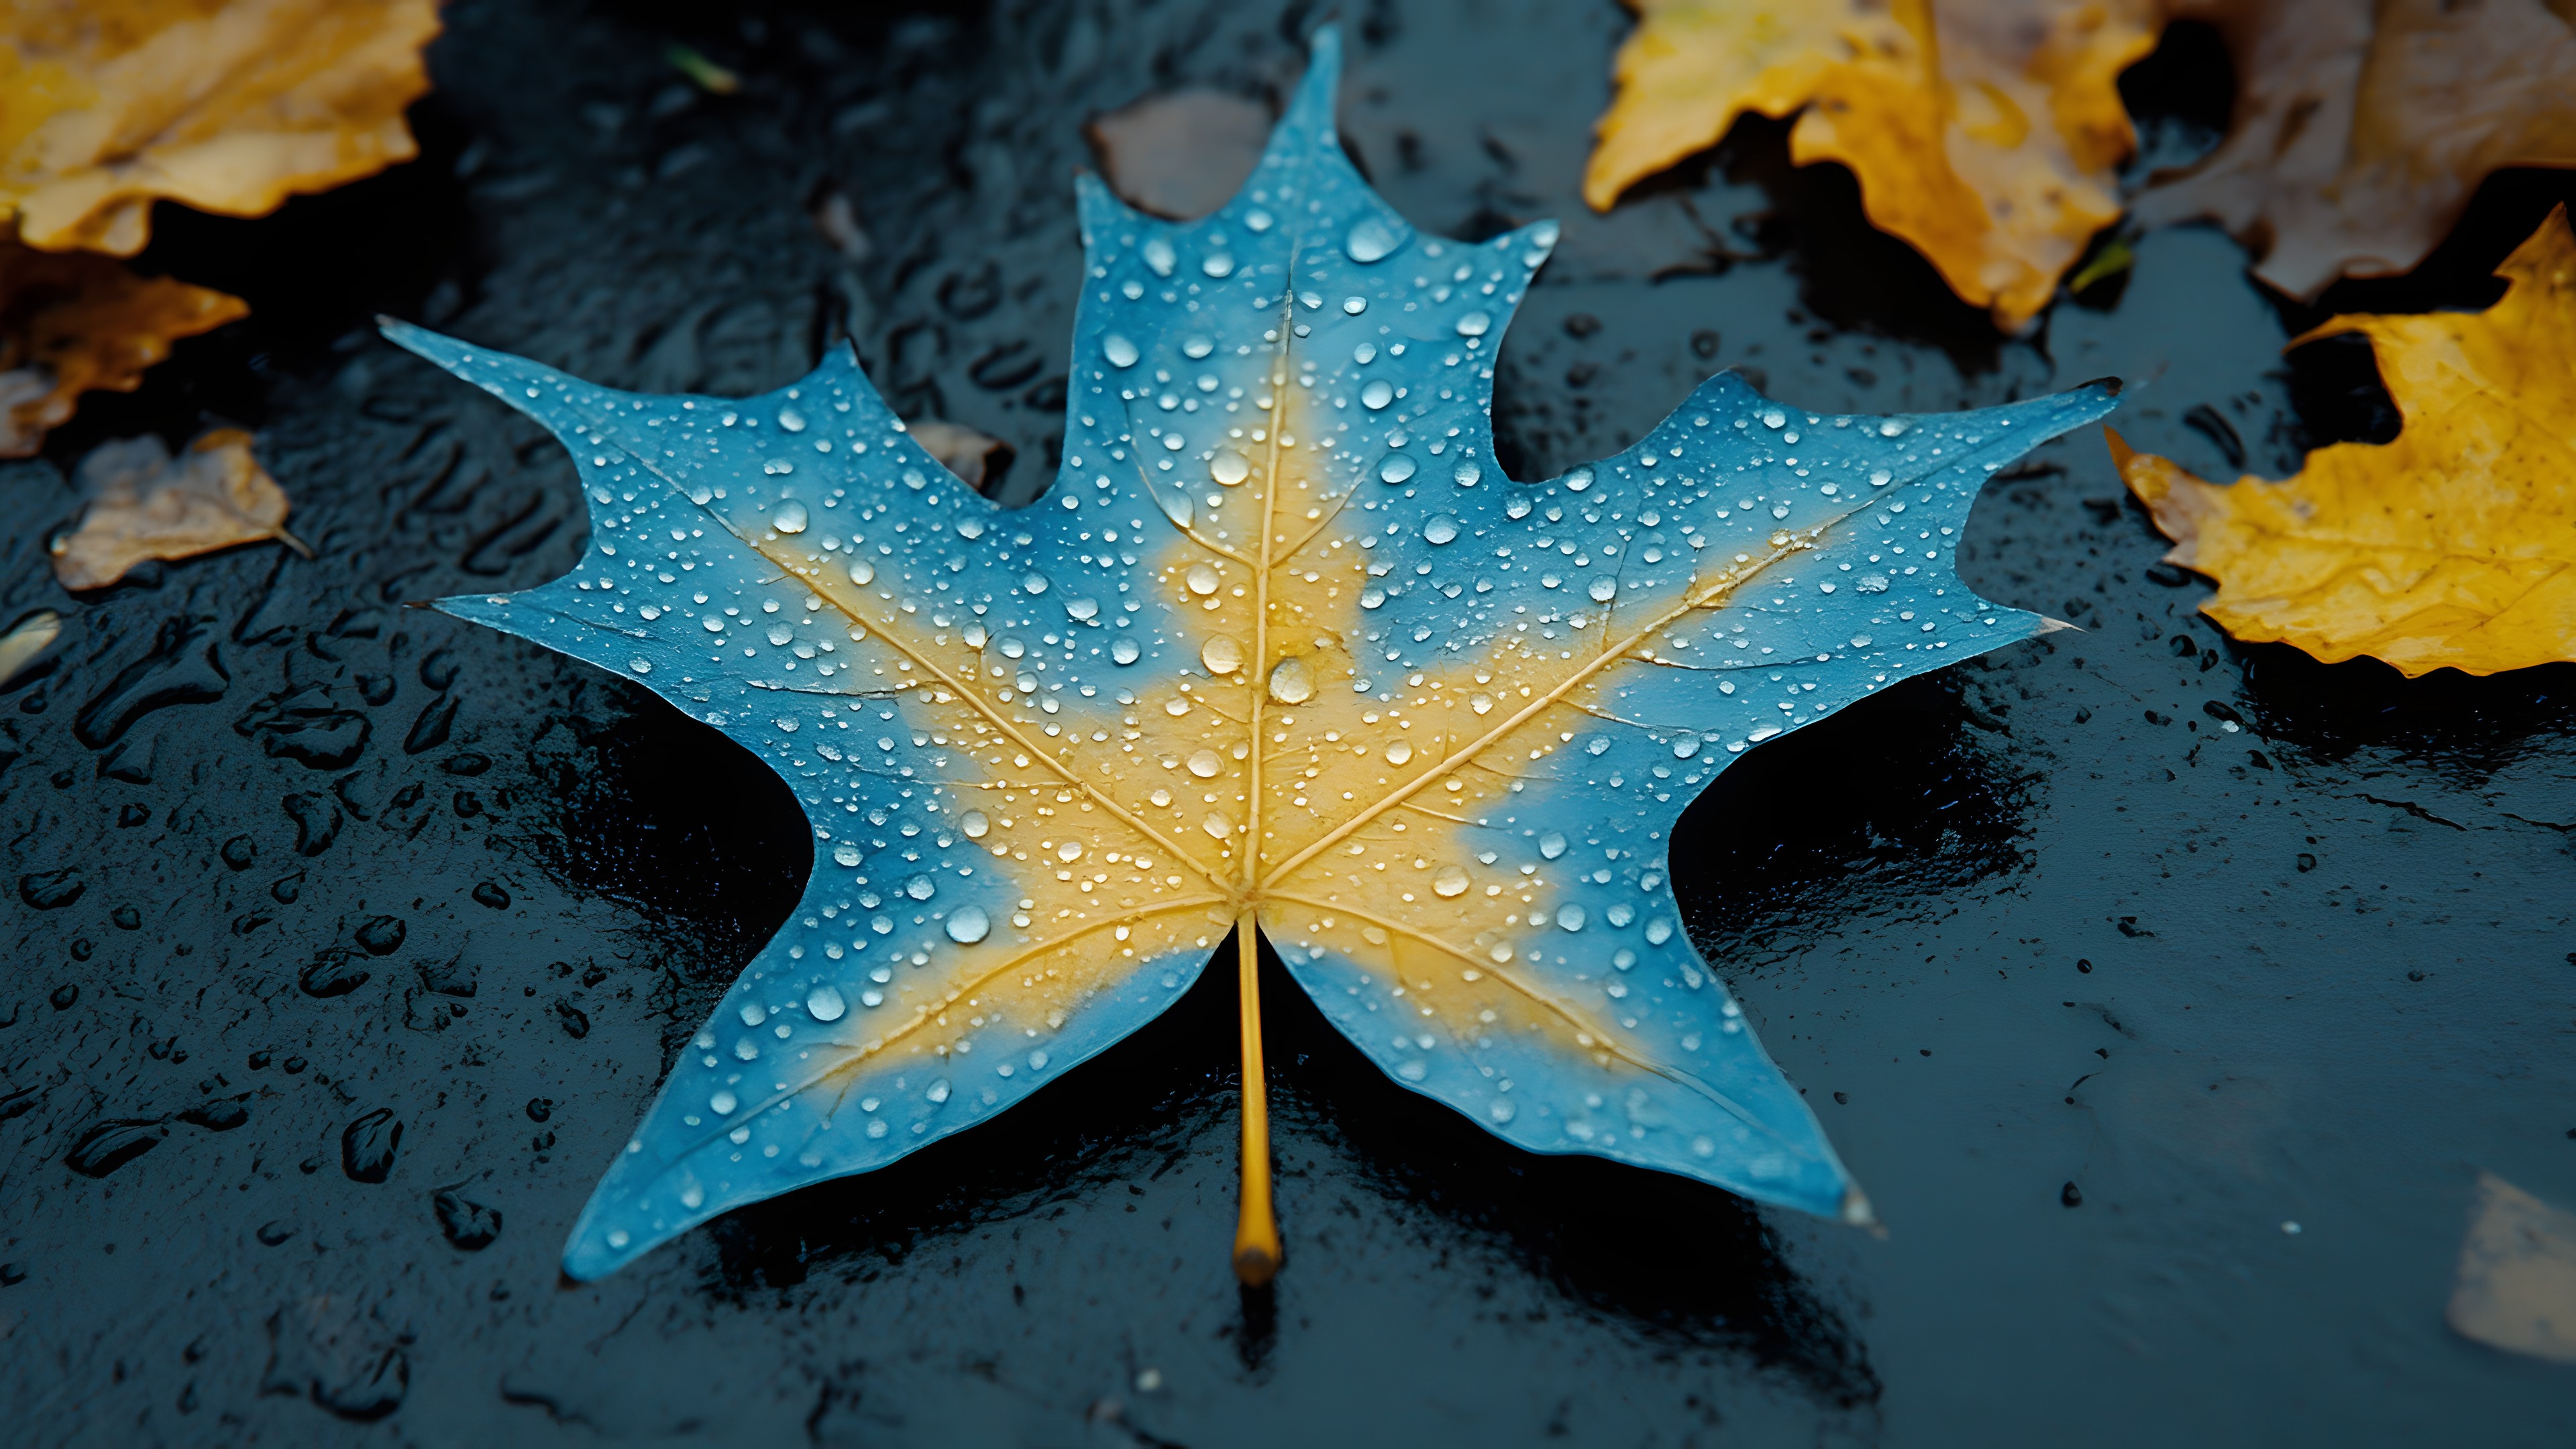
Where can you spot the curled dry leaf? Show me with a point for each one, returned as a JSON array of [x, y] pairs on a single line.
[[144, 504], [2453, 545], [70, 322], [229, 107], [2362, 126], [1181, 155], [1983, 132], [2517, 1277]]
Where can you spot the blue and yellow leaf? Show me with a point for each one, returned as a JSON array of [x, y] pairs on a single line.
[[1283, 646]]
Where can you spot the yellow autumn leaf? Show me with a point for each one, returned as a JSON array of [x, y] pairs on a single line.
[[71, 322], [2453, 545], [2362, 126], [1983, 132], [227, 105], [145, 504]]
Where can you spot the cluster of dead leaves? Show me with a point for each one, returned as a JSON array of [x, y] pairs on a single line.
[[1986, 132], [228, 106]]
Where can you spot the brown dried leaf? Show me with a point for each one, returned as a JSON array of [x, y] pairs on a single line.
[[1181, 155], [2517, 1276], [2362, 126], [227, 105], [976, 459], [70, 322], [144, 504]]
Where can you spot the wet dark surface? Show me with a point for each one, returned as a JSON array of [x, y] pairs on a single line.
[[345, 941]]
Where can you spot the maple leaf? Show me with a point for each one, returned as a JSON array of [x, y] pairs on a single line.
[[2455, 543], [2361, 127], [1282, 649], [70, 322], [229, 107], [144, 504], [1983, 132]]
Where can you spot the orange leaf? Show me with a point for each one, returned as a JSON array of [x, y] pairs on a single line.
[[1982, 133], [72, 322], [2362, 126], [144, 504], [227, 105], [2453, 545]]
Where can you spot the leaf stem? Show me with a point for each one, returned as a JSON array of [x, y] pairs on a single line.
[[1256, 1231]]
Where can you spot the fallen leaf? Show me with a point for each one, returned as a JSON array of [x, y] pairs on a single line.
[[2454, 544], [976, 459], [1983, 132], [1181, 155], [71, 322], [1282, 650], [710, 76], [2517, 1277], [229, 106], [27, 641], [2361, 127], [143, 504]]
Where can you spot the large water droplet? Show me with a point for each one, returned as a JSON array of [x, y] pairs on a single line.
[[791, 420], [968, 925], [1218, 264], [1205, 764], [920, 887], [1217, 825], [1229, 467], [824, 1003], [1465, 474], [1552, 844], [1119, 351], [1034, 582], [1125, 651], [1158, 255], [1569, 918], [1291, 682], [1451, 882], [1221, 654], [753, 1013], [1377, 394], [845, 854], [974, 823], [1395, 469], [1603, 589], [791, 517], [1202, 579], [1474, 324], [1440, 530], [723, 1102], [1354, 305], [938, 1090], [1399, 752], [862, 571], [1197, 347], [1176, 505], [1371, 240]]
